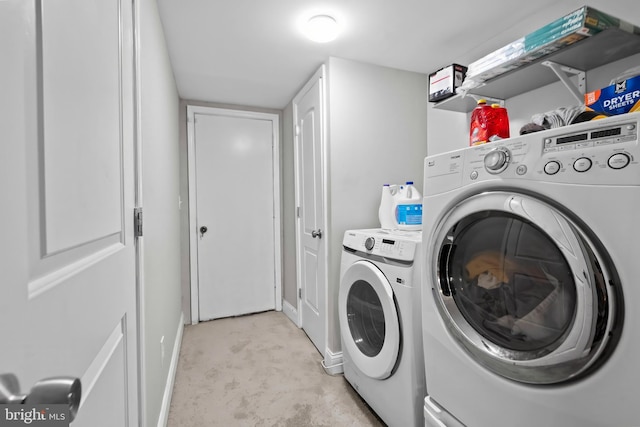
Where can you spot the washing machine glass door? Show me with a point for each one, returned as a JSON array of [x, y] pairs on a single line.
[[369, 321], [524, 288]]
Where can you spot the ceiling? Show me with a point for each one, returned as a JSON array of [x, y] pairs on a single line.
[[251, 53]]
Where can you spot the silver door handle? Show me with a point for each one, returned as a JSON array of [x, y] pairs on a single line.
[[316, 233], [51, 391]]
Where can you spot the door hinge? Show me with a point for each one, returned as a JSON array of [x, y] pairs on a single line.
[[298, 211], [299, 293], [137, 222]]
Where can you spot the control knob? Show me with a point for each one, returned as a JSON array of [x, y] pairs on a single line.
[[497, 160], [369, 243]]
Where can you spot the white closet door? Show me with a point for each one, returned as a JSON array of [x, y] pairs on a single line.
[[235, 204], [311, 227]]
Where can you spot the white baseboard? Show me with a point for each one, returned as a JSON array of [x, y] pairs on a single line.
[[291, 312], [168, 390], [332, 363]]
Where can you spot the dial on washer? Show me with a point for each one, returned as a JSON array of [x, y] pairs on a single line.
[[497, 160], [369, 243]]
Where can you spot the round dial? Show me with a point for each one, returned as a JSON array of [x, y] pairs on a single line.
[[369, 243], [497, 160]]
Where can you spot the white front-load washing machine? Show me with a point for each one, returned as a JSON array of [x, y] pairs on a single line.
[[531, 279], [380, 322]]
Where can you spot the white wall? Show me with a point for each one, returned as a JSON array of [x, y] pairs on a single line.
[[287, 180], [377, 134], [160, 182], [447, 130]]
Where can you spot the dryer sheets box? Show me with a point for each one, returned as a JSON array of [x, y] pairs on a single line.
[[619, 98]]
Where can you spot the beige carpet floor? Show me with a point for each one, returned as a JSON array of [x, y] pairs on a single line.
[[259, 370]]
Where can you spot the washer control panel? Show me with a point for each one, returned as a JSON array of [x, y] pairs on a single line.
[[390, 245], [599, 152], [604, 152], [575, 148]]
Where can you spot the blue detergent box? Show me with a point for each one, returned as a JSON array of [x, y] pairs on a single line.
[[619, 98]]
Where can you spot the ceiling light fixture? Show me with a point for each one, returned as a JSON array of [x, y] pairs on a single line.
[[322, 28]]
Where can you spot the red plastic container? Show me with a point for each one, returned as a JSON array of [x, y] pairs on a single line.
[[479, 118], [488, 123], [499, 123]]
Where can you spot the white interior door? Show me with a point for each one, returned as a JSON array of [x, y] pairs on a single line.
[[311, 251], [236, 218], [67, 253]]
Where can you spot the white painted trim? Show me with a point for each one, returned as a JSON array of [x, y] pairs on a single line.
[[141, 329], [291, 312], [168, 390], [277, 216], [193, 205], [324, 108], [39, 286], [192, 110], [332, 363], [297, 201], [102, 359], [139, 243]]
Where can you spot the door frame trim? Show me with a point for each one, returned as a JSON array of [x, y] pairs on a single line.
[[192, 110]]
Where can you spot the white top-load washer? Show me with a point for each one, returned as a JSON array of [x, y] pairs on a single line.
[[380, 322], [531, 279]]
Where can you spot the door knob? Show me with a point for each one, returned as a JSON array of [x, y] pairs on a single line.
[[203, 230], [316, 233], [50, 391]]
